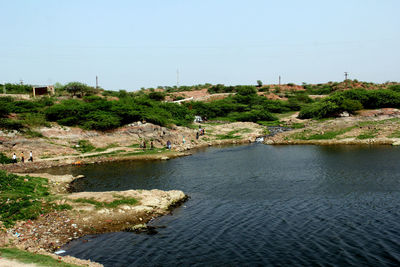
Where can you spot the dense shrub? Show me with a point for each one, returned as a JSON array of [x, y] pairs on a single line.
[[4, 159], [78, 89], [321, 109], [394, 87], [17, 88], [99, 114], [10, 124], [157, 96], [351, 100]]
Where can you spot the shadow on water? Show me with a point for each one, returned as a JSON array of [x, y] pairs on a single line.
[[259, 205]]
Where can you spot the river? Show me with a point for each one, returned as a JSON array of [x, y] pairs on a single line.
[[259, 205]]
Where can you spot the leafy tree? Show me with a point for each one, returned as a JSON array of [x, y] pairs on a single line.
[[78, 89], [157, 96], [259, 83]]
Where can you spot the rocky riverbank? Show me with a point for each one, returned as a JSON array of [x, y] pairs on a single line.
[[367, 127], [90, 213], [62, 146]]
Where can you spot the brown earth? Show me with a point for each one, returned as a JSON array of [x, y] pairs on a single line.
[[58, 147], [367, 127], [47, 233]]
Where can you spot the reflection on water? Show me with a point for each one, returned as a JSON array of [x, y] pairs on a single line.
[[259, 205]]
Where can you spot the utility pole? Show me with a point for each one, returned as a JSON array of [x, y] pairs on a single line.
[[97, 82], [279, 79], [346, 74], [177, 78]]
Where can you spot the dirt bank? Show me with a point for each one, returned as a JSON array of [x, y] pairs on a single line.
[[90, 213], [368, 127], [62, 146]]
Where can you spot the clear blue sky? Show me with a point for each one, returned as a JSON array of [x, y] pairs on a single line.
[[134, 44]]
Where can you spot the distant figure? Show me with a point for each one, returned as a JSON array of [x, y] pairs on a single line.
[[144, 145], [197, 135], [169, 145], [30, 157], [183, 140], [22, 157], [14, 158], [151, 145]]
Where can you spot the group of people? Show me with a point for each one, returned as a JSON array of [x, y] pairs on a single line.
[[144, 145], [201, 131], [14, 157]]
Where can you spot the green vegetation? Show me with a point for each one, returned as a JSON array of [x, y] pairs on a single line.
[[24, 197], [99, 114], [4, 159], [32, 258], [351, 101], [115, 203], [233, 134], [368, 135], [305, 135], [395, 134], [84, 146], [110, 109], [16, 88]]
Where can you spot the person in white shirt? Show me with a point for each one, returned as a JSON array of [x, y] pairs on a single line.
[[14, 158]]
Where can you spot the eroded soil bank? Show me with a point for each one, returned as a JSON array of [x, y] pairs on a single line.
[[91, 213], [61, 146], [367, 127]]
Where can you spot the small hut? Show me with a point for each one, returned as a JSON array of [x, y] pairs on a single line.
[[43, 90]]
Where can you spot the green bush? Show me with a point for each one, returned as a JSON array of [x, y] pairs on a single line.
[[10, 124], [157, 96], [23, 198], [351, 101], [394, 87], [4, 159], [321, 109], [101, 120]]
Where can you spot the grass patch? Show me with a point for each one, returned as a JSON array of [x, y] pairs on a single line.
[[395, 134], [233, 134], [24, 198], [225, 119], [369, 123], [101, 149], [33, 134], [147, 151], [321, 136], [367, 135], [270, 123], [84, 146], [297, 125], [116, 152], [284, 115], [27, 257], [115, 203], [135, 145]]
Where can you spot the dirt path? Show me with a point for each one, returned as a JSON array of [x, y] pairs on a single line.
[[89, 154], [13, 263]]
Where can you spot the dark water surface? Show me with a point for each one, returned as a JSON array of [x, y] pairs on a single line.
[[259, 205]]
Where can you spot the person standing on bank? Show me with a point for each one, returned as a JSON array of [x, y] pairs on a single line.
[[14, 158], [22, 157], [30, 156], [169, 145]]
